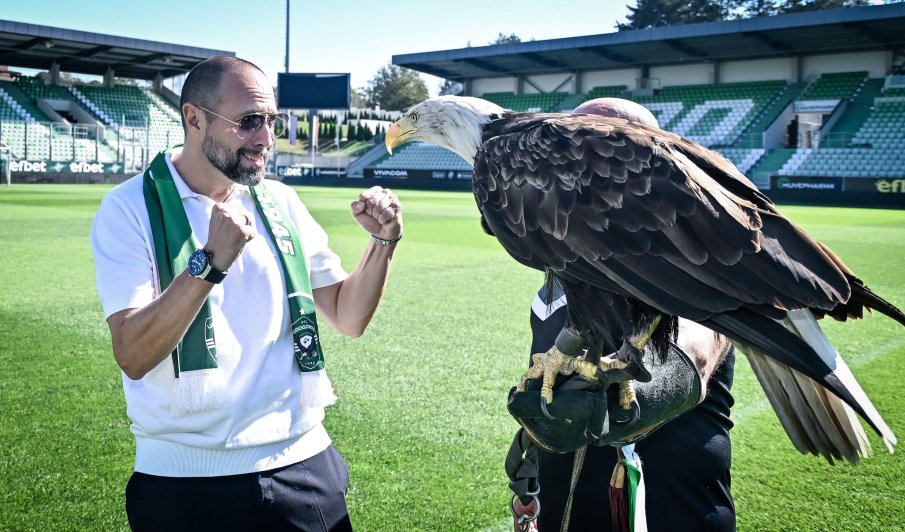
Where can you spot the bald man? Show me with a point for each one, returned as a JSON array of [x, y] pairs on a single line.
[[686, 462]]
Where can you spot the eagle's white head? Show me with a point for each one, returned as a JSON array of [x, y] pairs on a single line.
[[454, 122]]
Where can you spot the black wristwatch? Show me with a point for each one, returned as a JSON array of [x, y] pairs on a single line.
[[200, 267]]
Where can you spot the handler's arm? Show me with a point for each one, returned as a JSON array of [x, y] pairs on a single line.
[[704, 347]]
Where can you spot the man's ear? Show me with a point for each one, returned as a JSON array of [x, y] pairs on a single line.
[[192, 116]]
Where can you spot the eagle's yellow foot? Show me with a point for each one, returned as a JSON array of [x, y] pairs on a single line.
[[627, 399], [552, 363]]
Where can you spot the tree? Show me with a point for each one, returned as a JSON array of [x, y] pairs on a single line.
[[502, 38], [758, 8], [798, 6], [657, 13], [359, 98], [396, 88]]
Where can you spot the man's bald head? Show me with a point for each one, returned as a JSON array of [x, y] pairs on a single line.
[[203, 83], [618, 108]]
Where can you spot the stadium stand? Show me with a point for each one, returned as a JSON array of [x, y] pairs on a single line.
[[146, 123], [422, 156], [32, 112], [12, 135], [574, 100], [885, 125], [834, 86], [732, 118], [856, 113], [753, 136], [535, 102], [743, 158], [877, 148], [569, 103], [36, 89], [608, 91], [125, 105], [712, 115], [866, 141], [10, 109]]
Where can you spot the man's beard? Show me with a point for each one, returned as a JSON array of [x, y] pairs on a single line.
[[230, 164]]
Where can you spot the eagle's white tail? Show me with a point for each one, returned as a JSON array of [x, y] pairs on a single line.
[[815, 419]]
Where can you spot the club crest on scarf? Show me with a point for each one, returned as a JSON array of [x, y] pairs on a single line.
[[307, 344]]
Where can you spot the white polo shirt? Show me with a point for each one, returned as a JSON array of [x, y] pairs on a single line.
[[262, 424]]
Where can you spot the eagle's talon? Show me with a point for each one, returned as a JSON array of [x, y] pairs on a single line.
[[602, 376], [631, 357], [634, 412], [547, 414], [640, 373]]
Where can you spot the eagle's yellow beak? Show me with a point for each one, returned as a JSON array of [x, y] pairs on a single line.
[[398, 134]]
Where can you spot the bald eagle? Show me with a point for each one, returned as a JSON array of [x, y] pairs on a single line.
[[641, 226]]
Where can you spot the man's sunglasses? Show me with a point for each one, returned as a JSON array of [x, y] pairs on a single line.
[[250, 124]]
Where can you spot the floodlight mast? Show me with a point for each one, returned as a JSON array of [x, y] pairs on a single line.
[[286, 67], [276, 169]]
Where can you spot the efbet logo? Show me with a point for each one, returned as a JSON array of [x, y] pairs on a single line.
[[83, 167], [27, 166], [891, 186]]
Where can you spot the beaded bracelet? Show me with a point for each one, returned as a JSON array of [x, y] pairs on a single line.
[[383, 241]]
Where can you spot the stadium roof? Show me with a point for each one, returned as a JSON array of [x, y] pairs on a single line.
[[32, 46], [815, 32]]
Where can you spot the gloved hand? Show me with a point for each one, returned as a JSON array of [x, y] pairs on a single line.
[[584, 413]]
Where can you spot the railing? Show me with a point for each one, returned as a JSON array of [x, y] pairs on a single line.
[[749, 140], [838, 139]]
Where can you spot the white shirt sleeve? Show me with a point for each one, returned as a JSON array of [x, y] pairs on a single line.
[[123, 254]]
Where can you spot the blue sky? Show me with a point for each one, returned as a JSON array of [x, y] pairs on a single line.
[[355, 36]]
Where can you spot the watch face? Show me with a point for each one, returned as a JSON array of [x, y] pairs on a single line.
[[197, 262]]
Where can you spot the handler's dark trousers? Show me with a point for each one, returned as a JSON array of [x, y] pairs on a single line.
[[309, 495]]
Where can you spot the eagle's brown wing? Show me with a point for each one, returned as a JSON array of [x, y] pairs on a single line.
[[650, 215], [672, 223]]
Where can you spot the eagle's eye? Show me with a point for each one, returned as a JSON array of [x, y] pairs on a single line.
[[413, 117]]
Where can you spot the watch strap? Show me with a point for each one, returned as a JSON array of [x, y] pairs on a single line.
[[213, 275]]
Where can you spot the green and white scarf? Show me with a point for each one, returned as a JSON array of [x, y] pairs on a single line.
[[199, 385]]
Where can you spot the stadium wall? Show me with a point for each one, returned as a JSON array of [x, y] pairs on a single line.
[[684, 74], [547, 83], [507, 84], [784, 68], [604, 78], [876, 63]]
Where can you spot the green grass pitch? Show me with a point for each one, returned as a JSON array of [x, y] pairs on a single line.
[[421, 417]]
